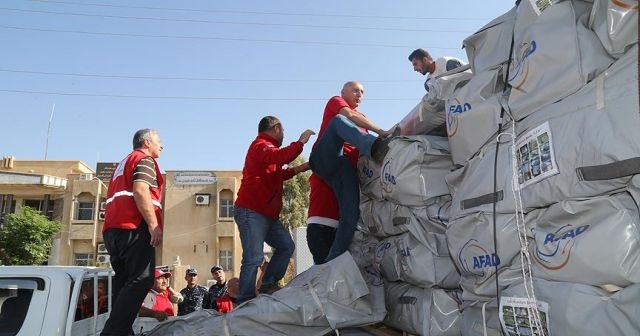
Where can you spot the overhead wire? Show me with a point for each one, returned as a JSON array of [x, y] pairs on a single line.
[[229, 22], [82, 94], [257, 12], [346, 44], [120, 76]]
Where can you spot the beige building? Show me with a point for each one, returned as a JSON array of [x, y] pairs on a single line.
[[198, 213]]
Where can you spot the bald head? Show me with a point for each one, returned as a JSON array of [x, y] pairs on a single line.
[[352, 92]]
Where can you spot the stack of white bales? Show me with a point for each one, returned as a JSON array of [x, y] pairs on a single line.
[[571, 140], [401, 237]]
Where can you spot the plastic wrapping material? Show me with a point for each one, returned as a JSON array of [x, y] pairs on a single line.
[[429, 113], [422, 311], [616, 24], [473, 113], [490, 45], [383, 219], [471, 246], [363, 248], [413, 170], [424, 117], [472, 188], [577, 309], [323, 298], [568, 237], [369, 177], [554, 55], [404, 258], [479, 316], [595, 139]]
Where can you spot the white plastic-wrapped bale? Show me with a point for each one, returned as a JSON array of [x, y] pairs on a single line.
[[473, 113], [363, 247], [472, 186], [490, 45], [422, 311], [404, 258], [471, 245], [616, 24], [585, 145], [414, 168], [480, 318], [369, 177], [568, 237], [554, 54], [426, 116], [383, 218], [578, 309]]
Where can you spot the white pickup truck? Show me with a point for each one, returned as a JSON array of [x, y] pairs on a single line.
[[54, 300]]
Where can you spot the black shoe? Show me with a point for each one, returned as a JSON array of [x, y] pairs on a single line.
[[380, 146], [269, 288]]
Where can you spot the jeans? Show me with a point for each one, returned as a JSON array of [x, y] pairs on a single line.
[[255, 230], [133, 259], [320, 238], [335, 169]]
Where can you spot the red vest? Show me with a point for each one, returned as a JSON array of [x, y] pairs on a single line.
[[122, 212], [224, 304]]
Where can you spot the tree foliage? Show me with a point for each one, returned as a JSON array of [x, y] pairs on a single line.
[[295, 198], [26, 237]]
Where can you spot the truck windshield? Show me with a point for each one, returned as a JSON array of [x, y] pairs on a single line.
[[15, 297]]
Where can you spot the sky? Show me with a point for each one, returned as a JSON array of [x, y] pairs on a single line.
[[203, 73]]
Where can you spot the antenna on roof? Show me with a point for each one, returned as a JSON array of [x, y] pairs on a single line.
[[46, 146]]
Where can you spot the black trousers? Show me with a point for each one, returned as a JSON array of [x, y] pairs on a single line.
[[319, 239], [133, 259]]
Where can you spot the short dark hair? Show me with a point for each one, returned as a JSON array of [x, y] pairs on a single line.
[[419, 53], [141, 136], [267, 122]]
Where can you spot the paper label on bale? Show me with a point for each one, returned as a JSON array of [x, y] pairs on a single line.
[[517, 313], [535, 157]]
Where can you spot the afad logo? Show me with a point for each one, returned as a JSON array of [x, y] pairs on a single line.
[[381, 249], [367, 173], [452, 118], [475, 259], [387, 178], [520, 70], [553, 250]]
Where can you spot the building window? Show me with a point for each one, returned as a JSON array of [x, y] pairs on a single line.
[[226, 204], [83, 259], [84, 211], [226, 260]]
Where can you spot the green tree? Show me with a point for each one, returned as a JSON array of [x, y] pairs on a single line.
[[295, 198], [26, 237]]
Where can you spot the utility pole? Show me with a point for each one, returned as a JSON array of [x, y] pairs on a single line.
[[46, 146]]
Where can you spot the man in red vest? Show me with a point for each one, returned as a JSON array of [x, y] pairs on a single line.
[[133, 228]]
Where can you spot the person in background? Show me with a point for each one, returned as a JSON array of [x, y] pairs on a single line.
[[160, 299], [227, 303], [133, 228], [195, 295], [219, 288], [257, 208], [424, 64]]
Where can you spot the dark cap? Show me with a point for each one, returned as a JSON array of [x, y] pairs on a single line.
[[192, 271], [216, 267]]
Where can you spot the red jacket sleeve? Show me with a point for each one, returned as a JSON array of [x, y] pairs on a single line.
[[270, 154]]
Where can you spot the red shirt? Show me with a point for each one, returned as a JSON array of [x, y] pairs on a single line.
[[262, 175], [322, 199], [162, 302]]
